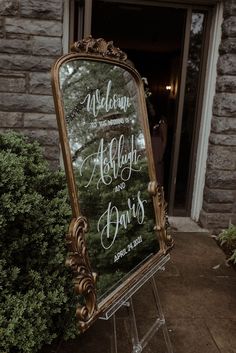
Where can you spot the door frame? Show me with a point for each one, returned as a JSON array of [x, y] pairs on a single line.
[[206, 113], [187, 210]]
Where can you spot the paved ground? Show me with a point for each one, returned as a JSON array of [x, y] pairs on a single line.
[[198, 293], [198, 296]]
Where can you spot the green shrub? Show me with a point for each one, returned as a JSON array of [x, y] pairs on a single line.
[[37, 303], [227, 238]]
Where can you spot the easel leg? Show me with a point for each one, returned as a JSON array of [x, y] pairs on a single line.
[[162, 318], [137, 348], [114, 348], [138, 345]]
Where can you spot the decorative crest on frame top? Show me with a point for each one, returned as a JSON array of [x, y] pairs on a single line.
[[98, 47]]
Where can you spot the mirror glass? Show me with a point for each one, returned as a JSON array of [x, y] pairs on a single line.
[[107, 146]]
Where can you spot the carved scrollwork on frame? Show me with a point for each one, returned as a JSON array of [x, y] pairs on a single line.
[[162, 226], [84, 279], [99, 47]]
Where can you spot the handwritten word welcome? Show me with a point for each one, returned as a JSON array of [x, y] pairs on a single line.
[[96, 101]]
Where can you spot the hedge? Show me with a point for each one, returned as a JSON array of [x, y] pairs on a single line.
[[37, 302]]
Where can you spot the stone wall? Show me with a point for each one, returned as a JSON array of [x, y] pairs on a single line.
[[219, 206], [30, 41]]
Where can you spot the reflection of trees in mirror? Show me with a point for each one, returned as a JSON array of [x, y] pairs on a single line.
[[191, 89], [105, 262], [196, 34], [107, 145], [96, 99]]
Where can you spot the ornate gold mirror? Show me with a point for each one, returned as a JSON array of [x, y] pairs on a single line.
[[118, 231]]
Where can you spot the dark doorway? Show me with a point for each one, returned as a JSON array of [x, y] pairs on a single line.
[[153, 38], [166, 46]]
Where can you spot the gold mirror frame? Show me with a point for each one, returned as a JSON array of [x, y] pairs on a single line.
[[78, 260]]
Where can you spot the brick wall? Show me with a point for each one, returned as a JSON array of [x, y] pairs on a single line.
[[219, 206], [30, 41]]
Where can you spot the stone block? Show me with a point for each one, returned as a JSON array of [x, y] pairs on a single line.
[[43, 136], [26, 103], [226, 84], [26, 62], [216, 221], [11, 119], [220, 157], [221, 179], [234, 212], [54, 164], [33, 27], [229, 8], [16, 46], [40, 83], [50, 9], [52, 152], [42, 121], [223, 140], [2, 23], [50, 46], [225, 104], [9, 7], [227, 64], [229, 27], [219, 196], [223, 125], [12, 83], [218, 207], [228, 46], [18, 36]]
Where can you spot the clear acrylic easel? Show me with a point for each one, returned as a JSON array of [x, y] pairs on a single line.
[[138, 344]]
